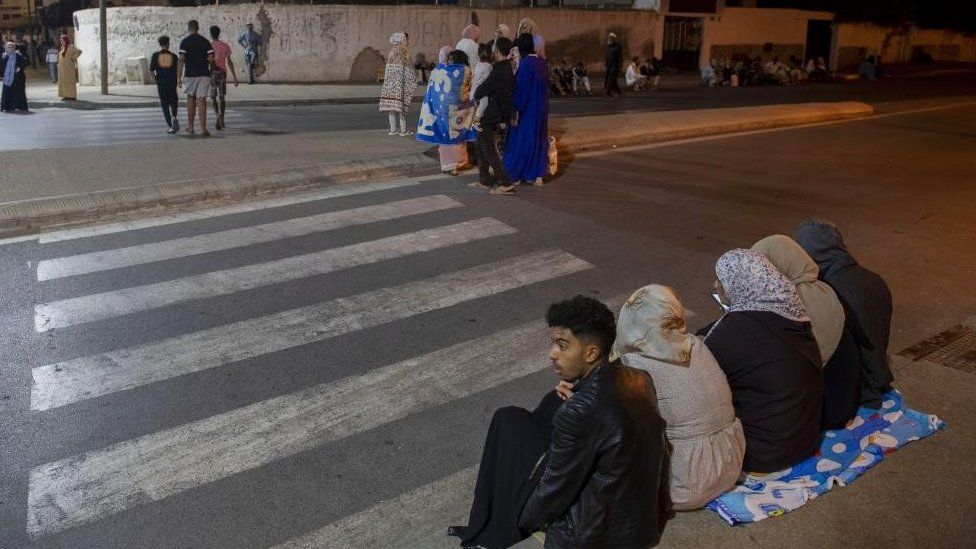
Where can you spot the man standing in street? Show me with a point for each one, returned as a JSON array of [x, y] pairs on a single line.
[[196, 56], [251, 42], [218, 79], [497, 87], [163, 68], [612, 62], [51, 57]]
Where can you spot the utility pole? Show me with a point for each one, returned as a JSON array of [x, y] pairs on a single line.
[[103, 39]]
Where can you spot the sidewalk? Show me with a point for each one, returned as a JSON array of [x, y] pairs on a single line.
[[48, 188]]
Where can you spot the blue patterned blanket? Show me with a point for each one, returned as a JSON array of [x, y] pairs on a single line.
[[445, 116], [844, 455]]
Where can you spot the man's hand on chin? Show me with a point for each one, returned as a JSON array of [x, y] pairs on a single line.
[[565, 389]]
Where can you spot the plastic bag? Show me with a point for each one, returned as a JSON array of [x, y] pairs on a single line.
[[553, 156]]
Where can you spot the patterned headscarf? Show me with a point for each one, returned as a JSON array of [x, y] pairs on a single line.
[[527, 26], [651, 323], [399, 38], [752, 283], [503, 30]]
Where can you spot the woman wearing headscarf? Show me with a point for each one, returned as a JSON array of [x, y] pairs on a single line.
[[528, 26], [866, 299], [837, 341], [399, 84], [527, 151], [12, 67], [453, 154], [469, 42], [766, 348], [693, 395], [68, 69]]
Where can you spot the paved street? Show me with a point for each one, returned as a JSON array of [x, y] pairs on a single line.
[[320, 369], [63, 128]]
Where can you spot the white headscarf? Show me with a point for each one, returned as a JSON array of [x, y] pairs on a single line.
[[752, 283], [399, 38], [652, 324]]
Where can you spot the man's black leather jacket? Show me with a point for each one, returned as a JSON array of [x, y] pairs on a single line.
[[606, 478]]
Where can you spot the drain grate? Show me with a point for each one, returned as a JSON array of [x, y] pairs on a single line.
[[954, 348]]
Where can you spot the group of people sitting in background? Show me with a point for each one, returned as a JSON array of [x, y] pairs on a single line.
[[641, 75], [775, 72], [567, 78], [647, 418]]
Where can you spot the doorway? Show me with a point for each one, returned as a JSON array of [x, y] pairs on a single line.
[[682, 42], [818, 40]]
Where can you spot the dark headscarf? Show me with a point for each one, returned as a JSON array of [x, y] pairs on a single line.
[[865, 297], [525, 44]]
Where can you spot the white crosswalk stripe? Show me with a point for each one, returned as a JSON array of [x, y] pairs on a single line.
[[102, 483], [88, 377], [66, 312], [250, 206], [82, 488], [224, 240]]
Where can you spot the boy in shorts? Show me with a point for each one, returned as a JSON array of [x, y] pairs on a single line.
[[196, 56], [218, 79]]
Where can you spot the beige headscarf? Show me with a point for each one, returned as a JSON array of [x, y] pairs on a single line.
[[824, 309], [652, 324]]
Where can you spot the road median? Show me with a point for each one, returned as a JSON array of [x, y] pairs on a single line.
[[577, 134]]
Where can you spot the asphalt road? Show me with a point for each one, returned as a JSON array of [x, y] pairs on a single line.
[[63, 128], [248, 376]]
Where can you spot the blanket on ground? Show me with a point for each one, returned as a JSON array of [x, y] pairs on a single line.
[[844, 455]]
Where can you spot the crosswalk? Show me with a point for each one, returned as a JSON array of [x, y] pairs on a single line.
[[57, 128], [484, 264]]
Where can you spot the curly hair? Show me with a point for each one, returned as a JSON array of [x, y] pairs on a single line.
[[585, 317]]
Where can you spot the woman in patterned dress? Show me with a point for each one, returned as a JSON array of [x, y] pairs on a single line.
[[399, 84]]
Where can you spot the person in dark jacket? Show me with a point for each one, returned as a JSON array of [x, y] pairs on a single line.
[[766, 347], [865, 296], [12, 67], [612, 62], [498, 89], [605, 482]]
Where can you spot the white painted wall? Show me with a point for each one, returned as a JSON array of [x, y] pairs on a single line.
[[742, 26], [855, 40], [320, 43]]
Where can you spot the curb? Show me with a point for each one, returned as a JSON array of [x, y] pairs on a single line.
[[791, 115], [30, 216]]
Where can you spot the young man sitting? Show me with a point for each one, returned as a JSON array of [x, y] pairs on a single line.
[[633, 76], [602, 454]]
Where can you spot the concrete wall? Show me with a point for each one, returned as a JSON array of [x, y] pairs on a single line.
[[323, 43], [738, 32], [855, 41]]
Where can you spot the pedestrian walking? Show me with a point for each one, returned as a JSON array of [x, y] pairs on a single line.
[[163, 67], [527, 151], [497, 89], [68, 69], [612, 62], [251, 42], [218, 77], [51, 58], [12, 67], [196, 56], [399, 84]]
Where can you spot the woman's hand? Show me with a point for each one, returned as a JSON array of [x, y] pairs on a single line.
[[565, 390]]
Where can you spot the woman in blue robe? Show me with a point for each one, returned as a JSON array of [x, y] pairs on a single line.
[[527, 151]]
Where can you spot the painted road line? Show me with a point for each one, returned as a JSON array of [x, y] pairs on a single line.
[[92, 376], [103, 482], [49, 269], [66, 312], [250, 206], [417, 519]]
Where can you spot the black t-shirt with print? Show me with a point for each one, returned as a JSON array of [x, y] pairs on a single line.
[[163, 65], [195, 50]]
